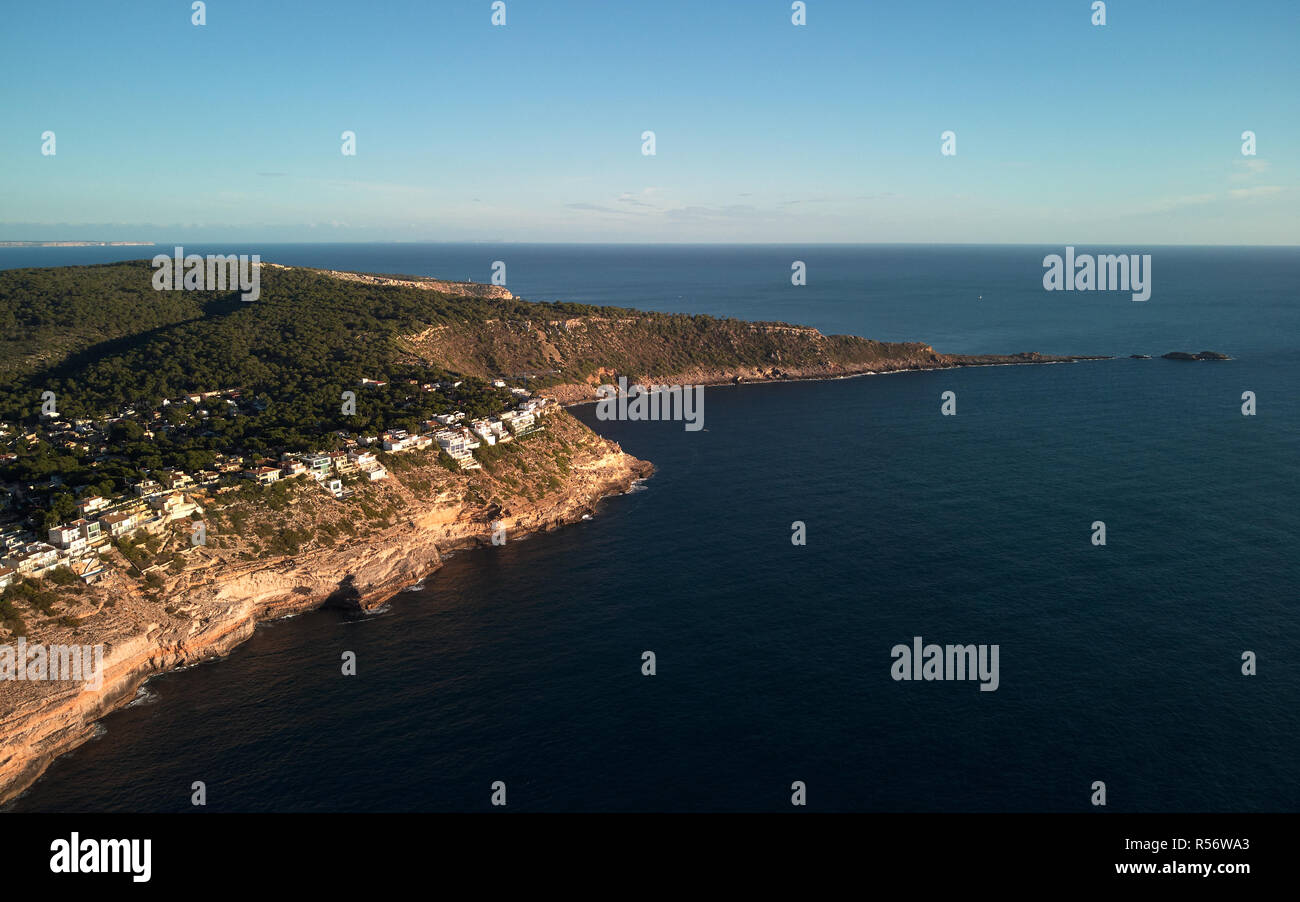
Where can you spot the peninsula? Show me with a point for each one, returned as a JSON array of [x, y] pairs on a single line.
[[176, 467]]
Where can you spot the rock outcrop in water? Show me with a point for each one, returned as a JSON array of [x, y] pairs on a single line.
[[1202, 355]]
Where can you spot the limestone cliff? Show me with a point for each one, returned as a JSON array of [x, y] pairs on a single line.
[[360, 553]]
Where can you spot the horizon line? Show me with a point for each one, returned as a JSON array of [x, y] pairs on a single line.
[[29, 243]]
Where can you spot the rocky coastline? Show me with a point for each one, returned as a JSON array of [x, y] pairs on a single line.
[[216, 602], [213, 607]]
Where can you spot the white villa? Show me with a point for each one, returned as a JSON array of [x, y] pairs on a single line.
[[176, 506], [67, 535], [459, 445], [264, 475], [521, 423], [362, 459]]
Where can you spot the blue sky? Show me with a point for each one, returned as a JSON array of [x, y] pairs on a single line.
[[765, 132]]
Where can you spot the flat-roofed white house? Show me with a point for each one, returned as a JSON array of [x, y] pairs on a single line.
[[522, 423], [483, 430], [399, 440], [457, 443], [453, 442], [318, 465], [63, 536]]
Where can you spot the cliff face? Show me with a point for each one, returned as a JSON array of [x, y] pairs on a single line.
[[576, 354], [217, 602]]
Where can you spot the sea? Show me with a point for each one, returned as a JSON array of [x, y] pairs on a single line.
[[1119, 663]]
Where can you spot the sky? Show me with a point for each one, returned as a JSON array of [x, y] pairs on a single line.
[[765, 131]]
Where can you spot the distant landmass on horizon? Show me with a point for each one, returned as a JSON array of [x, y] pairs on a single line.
[[77, 243]]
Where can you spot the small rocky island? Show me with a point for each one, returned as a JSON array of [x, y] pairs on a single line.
[[1201, 355]]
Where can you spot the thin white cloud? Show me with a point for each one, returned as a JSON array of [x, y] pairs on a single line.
[[597, 208], [1256, 191], [1248, 169]]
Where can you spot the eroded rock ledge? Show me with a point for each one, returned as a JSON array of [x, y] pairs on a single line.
[[904, 359]]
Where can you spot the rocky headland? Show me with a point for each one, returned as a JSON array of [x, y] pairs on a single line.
[[294, 547], [357, 554]]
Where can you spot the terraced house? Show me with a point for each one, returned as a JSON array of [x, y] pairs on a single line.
[[32, 559]]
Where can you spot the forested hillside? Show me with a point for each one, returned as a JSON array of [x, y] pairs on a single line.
[[101, 338], [319, 356]]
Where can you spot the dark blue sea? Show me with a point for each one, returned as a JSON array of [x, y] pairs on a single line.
[[1119, 663]]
